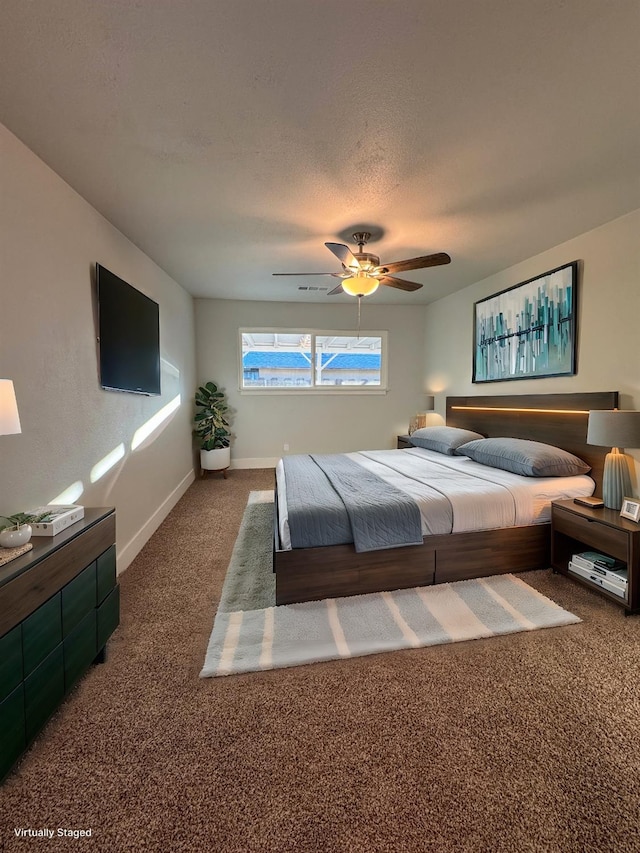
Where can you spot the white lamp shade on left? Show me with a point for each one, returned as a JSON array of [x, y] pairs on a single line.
[[9, 417]]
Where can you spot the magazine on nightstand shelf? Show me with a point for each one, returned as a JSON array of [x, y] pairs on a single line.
[[605, 571]]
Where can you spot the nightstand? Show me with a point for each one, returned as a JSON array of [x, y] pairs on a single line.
[[404, 441], [576, 528]]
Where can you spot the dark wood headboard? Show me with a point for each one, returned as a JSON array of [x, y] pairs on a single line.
[[558, 419]]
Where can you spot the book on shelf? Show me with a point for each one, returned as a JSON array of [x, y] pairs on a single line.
[[595, 558], [615, 571], [611, 581]]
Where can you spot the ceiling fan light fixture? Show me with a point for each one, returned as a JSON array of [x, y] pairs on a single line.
[[362, 271], [360, 284]]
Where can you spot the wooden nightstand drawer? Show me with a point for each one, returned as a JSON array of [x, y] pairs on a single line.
[[598, 536]]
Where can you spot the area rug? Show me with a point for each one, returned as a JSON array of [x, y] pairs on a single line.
[[250, 638], [250, 583]]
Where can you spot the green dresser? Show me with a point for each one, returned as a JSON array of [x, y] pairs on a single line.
[[59, 604]]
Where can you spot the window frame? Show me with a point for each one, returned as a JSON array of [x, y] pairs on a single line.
[[313, 389]]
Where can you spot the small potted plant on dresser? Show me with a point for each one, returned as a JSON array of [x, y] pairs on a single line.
[[15, 530], [212, 428]]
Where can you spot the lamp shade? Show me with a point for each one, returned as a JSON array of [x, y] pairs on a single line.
[[617, 428], [9, 418]]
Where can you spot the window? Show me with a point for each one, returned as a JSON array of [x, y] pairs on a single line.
[[313, 361]]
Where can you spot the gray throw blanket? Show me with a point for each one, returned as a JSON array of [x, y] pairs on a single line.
[[331, 500]]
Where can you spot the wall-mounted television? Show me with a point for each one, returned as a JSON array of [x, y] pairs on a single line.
[[129, 336]]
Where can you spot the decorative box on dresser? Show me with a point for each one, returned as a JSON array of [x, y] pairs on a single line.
[[59, 604], [576, 528]]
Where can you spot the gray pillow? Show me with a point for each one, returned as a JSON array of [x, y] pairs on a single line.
[[442, 439], [529, 458]]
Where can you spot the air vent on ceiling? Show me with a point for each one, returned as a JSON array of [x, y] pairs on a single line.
[[320, 289]]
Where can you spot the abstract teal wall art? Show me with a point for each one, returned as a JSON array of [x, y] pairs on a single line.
[[528, 330]]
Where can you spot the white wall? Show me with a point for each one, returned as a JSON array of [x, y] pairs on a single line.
[[608, 322], [50, 240], [326, 423]]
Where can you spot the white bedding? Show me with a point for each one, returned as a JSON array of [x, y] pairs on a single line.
[[455, 494]]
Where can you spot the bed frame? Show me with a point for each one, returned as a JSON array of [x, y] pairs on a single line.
[[307, 574]]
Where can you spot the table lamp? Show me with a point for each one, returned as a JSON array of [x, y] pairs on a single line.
[[616, 429], [420, 420], [9, 418]]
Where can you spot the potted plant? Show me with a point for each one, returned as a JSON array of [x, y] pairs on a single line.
[[15, 530], [212, 427]]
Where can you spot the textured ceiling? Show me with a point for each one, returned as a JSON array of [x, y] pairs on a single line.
[[230, 140]]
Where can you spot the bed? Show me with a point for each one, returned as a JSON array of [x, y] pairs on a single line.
[[489, 521]]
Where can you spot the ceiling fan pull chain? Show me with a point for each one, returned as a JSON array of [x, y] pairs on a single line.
[[359, 304]]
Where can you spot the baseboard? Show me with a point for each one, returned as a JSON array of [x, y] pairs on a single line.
[[126, 556], [255, 463]]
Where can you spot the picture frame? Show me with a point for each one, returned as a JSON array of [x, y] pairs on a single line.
[[528, 330], [630, 509]]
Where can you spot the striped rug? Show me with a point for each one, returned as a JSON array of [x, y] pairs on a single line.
[[294, 634]]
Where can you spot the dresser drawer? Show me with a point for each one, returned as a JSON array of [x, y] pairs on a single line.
[[108, 617], [594, 534], [10, 661], [79, 649], [106, 571], [78, 599], [41, 633], [43, 692], [12, 735]]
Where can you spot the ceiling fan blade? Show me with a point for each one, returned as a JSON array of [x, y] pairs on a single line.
[[417, 263], [335, 290], [400, 283], [344, 255], [305, 273]]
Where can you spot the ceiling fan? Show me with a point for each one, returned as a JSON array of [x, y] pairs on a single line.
[[362, 272]]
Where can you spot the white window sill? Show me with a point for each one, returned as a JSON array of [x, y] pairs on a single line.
[[350, 391]]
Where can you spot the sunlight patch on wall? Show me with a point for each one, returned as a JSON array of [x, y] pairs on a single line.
[[70, 494], [169, 369], [143, 432], [106, 463]]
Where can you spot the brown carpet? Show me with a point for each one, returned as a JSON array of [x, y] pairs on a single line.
[[521, 743]]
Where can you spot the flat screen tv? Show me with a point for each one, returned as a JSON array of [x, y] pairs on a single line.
[[129, 336]]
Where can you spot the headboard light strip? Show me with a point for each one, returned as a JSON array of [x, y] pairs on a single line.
[[513, 409]]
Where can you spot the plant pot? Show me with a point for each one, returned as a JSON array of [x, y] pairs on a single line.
[[12, 538], [215, 460]]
